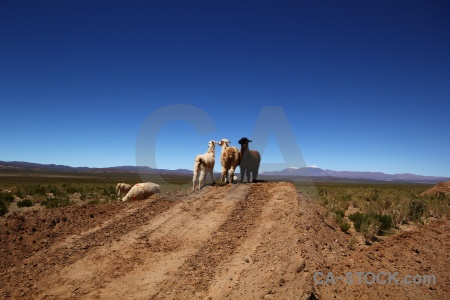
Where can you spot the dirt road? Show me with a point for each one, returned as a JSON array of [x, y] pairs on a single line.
[[244, 241]]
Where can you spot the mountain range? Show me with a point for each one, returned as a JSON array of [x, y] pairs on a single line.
[[379, 176], [311, 171], [27, 166]]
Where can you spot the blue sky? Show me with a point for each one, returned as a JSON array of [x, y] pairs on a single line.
[[365, 85]]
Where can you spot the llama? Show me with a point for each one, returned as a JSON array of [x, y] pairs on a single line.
[[250, 160], [122, 189], [230, 159], [142, 191], [204, 163]]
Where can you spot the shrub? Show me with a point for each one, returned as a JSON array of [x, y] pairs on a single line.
[[19, 193], [39, 190], [3, 207], [357, 218], [71, 189], [344, 225], [369, 228], [7, 197], [56, 202], [385, 223], [25, 203], [416, 208], [108, 192], [369, 222], [340, 213]]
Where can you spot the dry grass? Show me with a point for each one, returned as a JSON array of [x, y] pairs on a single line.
[[401, 202]]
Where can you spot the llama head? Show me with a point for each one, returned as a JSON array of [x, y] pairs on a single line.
[[244, 144], [244, 141], [211, 144], [224, 142]]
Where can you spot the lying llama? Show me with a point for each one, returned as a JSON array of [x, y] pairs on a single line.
[[204, 163], [122, 189], [250, 160], [230, 159], [141, 191]]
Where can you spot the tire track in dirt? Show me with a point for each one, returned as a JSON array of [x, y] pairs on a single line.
[[274, 259], [24, 234], [266, 257], [40, 267], [195, 276], [140, 259]]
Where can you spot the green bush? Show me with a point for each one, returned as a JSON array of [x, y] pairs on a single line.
[[344, 225], [369, 229], [3, 207], [71, 189], [108, 192], [7, 197], [25, 203], [385, 223], [416, 208], [340, 213], [357, 218], [39, 190], [363, 221], [19, 192], [56, 202]]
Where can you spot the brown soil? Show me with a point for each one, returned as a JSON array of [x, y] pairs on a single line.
[[243, 241], [442, 188]]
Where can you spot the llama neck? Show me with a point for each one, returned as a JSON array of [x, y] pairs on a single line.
[[244, 149], [211, 150]]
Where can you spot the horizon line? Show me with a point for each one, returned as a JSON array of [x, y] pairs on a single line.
[[262, 173]]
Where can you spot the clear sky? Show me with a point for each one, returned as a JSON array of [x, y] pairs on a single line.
[[365, 85]]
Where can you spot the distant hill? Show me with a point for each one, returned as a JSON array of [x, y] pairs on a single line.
[[379, 176], [27, 166], [314, 172]]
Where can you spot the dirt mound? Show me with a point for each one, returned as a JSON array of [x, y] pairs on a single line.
[[242, 241], [442, 188]]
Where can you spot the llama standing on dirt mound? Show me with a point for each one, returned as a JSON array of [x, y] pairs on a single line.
[[141, 191], [250, 160], [204, 163], [230, 159]]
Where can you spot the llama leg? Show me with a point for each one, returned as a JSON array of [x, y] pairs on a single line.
[[231, 174], [194, 179], [255, 175], [211, 172], [224, 172], [201, 181]]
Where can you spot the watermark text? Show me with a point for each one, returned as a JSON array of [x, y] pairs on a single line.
[[373, 278]]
